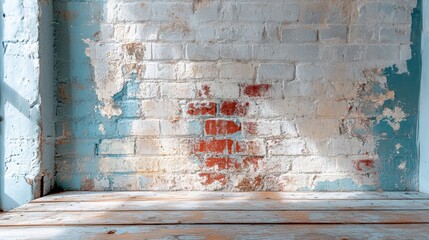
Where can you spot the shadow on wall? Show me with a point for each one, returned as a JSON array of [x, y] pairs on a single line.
[[20, 105]]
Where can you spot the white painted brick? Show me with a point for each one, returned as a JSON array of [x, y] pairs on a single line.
[[139, 127], [240, 33], [336, 33], [287, 147], [116, 146], [318, 128], [236, 52], [157, 146], [315, 12], [218, 90], [206, 33], [330, 108], [133, 11], [167, 51], [364, 34], [180, 128], [237, 71], [286, 52], [160, 71], [178, 164], [314, 165], [160, 108], [381, 52], [288, 129], [198, 70], [170, 11], [275, 71], [136, 32], [276, 164], [305, 89], [342, 53], [346, 146], [129, 165], [148, 90], [204, 52], [261, 128], [286, 108], [299, 35], [178, 90], [206, 11]]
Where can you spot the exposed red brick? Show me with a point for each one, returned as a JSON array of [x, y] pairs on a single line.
[[250, 148], [210, 178], [250, 128], [221, 127], [205, 91], [251, 184], [220, 146], [251, 161], [256, 90], [234, 108], [222, 163], [201, 109], [364, 165]]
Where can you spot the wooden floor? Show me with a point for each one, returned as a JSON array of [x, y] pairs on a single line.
[[217, 215]]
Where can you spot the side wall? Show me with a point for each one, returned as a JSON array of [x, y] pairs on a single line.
[[240, 95], [424, 105], [27, 167]]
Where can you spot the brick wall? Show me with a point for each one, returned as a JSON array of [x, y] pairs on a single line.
[[27, 136], [278, 95]]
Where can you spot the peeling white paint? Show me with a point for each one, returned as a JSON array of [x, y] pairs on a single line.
[[101, 128], [394, 117]]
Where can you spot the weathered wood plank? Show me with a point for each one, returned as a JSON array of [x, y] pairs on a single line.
[[80, 196], [219, 205], [211, 217], [392, 231]]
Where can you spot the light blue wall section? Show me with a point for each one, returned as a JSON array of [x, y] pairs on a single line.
[[424, 104], [27, 142]]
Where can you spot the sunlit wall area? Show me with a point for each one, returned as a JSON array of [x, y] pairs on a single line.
[[27, 143]]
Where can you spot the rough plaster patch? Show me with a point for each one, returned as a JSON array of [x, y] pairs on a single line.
[[393, 117], [101, 128], [114, 65]]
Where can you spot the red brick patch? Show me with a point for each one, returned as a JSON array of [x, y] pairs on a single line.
[[221, 127], [251, 161], [234, 108], [256, 90], [205, 91], [201, 109], [250, 148], [222, 163], [210, 178], [219, 146]]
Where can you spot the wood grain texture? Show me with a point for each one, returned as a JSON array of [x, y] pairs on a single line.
[[221, 205], [80, 196], [212, 217], [355, 231], [218, 215]]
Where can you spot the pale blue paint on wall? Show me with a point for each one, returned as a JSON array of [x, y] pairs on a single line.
[[27, 140]]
